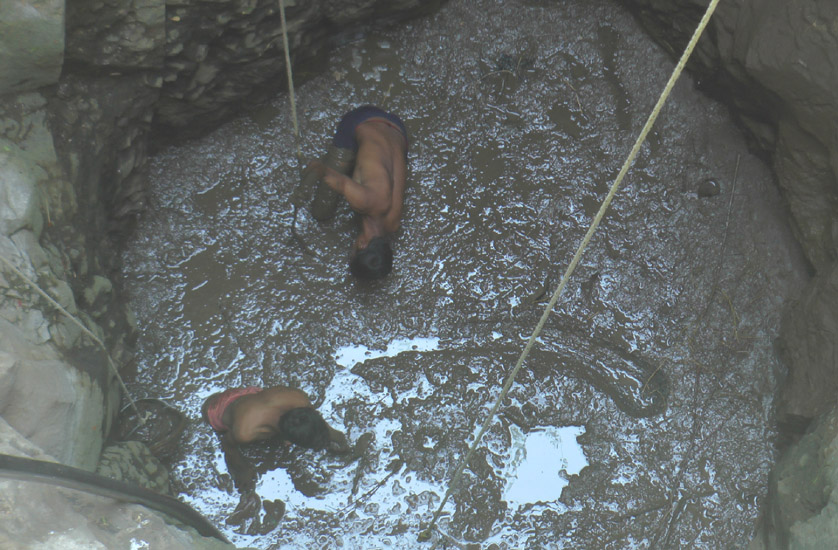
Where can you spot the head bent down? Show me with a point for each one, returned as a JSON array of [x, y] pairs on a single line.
[[304, 426], [374, 261]]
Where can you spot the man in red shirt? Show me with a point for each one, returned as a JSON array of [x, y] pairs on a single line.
[[245, 415]]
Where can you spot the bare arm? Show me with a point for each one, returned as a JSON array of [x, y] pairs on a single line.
[[244, 477], [359, 197], [243, 473]]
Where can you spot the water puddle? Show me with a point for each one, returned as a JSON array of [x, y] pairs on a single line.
[[540, 465]]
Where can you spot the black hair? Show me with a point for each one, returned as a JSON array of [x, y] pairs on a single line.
[[374, 261], [305, 427]]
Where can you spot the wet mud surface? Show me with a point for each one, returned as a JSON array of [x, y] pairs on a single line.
[[659, 355]]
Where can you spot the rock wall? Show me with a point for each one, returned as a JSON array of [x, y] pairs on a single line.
[[87, 88], [39, 515], [775, 62], [46, 361], [31, 44], [803, 508], [139, 74], [809, 345]]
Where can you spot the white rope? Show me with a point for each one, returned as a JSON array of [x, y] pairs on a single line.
[[290, 79], [83, 328], [426, 534]]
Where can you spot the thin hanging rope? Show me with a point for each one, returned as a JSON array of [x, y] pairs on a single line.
[[83, 328], [426, 534], [290, 80], [297, 137]]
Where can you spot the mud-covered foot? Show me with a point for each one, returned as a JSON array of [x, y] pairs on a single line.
[[248, 518], [274, 511], [247, 511], [362, 445]]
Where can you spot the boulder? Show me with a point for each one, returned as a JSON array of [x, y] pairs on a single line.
[[31, 44], [132, 462], [33, 191], [45, 516], [776, 62], [809, 348], [20, 204], [54, 405], [802, 513]]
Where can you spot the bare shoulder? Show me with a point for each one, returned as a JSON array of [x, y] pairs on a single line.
[[381, 134], [283, 395]]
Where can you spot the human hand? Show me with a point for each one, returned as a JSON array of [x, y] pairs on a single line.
[[338, 443], [311, 175], [248, 517], [248, 508], [274, 511], [300, 195]]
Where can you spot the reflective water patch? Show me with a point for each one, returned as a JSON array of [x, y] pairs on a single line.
[[540, 463]]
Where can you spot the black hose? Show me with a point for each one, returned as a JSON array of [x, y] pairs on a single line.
[[28, 469]]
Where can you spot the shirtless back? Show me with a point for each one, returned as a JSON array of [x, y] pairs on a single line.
[[376, 188], [246, 415], [256, 416]]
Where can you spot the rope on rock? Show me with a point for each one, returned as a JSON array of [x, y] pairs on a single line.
[[83, 328], [299, 192], [425, 535]]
